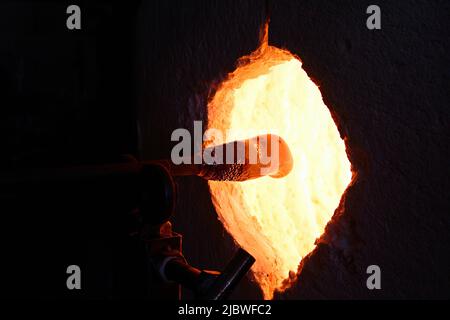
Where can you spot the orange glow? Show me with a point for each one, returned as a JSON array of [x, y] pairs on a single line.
[[278, 220]]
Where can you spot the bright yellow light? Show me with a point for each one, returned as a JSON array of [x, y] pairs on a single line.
[[278, 220]]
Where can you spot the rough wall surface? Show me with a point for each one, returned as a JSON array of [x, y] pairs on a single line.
[[388, 91]]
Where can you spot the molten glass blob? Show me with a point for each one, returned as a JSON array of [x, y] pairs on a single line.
[[278, 220]]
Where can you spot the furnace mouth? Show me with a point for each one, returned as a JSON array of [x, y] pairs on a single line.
[[279, 220]]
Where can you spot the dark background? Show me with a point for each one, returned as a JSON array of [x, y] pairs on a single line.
[[136, 71], [67, 98]]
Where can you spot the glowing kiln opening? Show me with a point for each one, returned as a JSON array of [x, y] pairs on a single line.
[[278, 220]]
